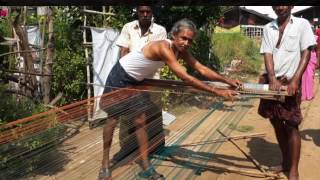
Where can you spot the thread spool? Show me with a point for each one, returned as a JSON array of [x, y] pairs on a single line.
[[253, 86]]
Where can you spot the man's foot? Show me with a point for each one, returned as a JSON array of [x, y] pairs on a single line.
[[278, 169], [104, 174], [150, 174]]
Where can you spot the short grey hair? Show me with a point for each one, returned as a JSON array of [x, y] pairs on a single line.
[[182, 24]]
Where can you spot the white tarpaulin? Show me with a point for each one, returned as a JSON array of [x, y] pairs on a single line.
[[105, 55], [34, 36]]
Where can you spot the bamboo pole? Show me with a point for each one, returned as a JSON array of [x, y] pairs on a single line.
[[87, 66], [240, 137], [41, 54]]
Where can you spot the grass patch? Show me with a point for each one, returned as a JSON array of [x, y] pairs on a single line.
[[229, 46], [243, 128]]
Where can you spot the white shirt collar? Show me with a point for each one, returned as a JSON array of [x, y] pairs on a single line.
[[274, 23], [137, 26]]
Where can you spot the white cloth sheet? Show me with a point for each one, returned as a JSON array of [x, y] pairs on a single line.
[[105, 55]]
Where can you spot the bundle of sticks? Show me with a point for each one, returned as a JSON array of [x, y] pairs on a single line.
[[247, 90]]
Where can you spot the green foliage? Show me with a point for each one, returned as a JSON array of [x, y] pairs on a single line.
[[21, 157], [200, 15], [242, 128], [228, 46], [13, 107], [5, 27], [67, 34], [4, 32], [69, 63], [32, 19], [166, 72], [70, 75], [69, 67], [201, 50], [123, 15]]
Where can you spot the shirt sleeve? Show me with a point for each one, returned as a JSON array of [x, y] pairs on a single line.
[[266, 45], [307, 38], [163, 34], [124, 37]]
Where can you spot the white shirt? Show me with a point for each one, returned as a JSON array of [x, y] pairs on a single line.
[[131, 37], [297, 37]]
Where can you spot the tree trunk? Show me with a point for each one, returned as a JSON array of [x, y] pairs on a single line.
[[27, 58], [49, 59]]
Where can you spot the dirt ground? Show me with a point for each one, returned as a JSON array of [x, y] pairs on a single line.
[[266, 151]]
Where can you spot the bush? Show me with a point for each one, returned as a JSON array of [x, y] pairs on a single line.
[[229, 46], [13, 107], [70, 75]]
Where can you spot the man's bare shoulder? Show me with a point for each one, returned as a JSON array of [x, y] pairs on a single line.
[[160, 44]]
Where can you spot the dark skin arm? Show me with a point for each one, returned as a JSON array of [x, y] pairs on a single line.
[[123, 51], [168, 56], [206, 72], [294, 83], [274, 84]]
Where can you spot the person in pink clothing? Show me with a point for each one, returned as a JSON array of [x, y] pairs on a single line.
[[308, 75]]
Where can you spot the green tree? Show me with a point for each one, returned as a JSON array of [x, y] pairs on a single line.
[[69, 66]]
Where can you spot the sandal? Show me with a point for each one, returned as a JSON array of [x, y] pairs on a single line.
[[150, 174], [104, 173]]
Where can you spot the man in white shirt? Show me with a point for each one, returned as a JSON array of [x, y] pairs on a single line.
[[286, 46], [134, 35]]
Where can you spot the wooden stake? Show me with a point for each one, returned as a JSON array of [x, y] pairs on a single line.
[[255, 162]]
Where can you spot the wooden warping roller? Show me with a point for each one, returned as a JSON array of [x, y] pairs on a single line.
[[262, 91], [248, 90]]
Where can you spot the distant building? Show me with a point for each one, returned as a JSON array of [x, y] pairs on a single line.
[[240, 15], [250, 19], [311, 13]]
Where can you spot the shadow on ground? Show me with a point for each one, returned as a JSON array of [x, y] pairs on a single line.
[[311, 135], [198, 161], [266, 153]]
